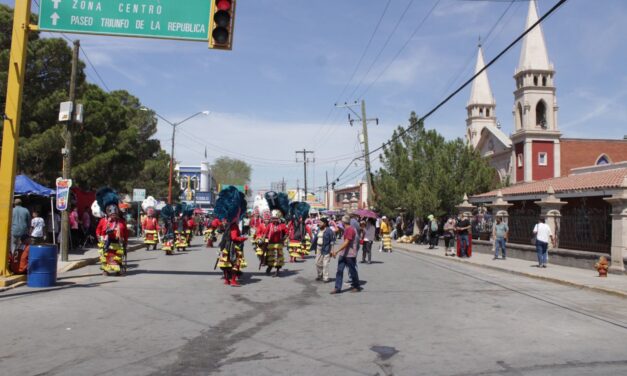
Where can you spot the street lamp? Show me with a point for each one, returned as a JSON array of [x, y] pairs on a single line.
[[174, 125]]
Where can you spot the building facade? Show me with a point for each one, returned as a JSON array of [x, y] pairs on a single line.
[[198, 187]]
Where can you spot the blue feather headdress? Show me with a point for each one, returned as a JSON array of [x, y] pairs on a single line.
[[278, 201], [167, 212], [298, 210], [231, 204], [106, 197]]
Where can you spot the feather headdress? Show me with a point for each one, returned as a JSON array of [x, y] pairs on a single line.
[[231, 204], [278, 201], [106, 197], [167, 212], [298, 210], [149, 202]]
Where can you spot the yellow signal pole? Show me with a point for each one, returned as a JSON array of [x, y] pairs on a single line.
[[11, 122]]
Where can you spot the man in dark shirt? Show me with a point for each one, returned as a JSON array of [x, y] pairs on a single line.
[[463, 229]]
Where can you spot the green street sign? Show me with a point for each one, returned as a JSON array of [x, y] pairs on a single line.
[[166, 19]]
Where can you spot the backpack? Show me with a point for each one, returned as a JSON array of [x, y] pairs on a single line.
[[434, 226], [18, 261]]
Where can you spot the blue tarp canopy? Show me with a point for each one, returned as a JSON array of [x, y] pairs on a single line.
[[25, 186]]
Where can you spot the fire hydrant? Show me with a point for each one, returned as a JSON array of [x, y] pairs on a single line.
[[602, 266]]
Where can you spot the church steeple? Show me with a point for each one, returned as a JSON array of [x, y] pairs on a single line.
[[481, 93], [481, 105], [536, 153], [533, 54]]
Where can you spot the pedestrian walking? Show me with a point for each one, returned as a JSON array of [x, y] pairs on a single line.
[[368, 239], [433, 231], [463, 241], [500, 236], [449, 237], [322, 244], [74, 231], [543, 235], [20, 223], [37, 225], [348, 258]]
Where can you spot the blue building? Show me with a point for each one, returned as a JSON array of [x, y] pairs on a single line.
[[197, 184]]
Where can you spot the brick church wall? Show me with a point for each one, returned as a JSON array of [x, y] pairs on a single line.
[[585, 152]]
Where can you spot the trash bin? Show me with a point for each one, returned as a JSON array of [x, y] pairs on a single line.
[[42, 265]]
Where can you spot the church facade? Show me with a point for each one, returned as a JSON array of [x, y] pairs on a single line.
[[536, 149]]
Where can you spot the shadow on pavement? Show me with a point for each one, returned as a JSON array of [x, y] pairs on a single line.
[[57, 287], [173, 272]]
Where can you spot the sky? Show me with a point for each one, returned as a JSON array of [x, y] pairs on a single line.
[[293, 60]]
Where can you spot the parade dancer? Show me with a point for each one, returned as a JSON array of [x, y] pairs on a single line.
[[111, 232], [297, 230], [275, 235], [276, 232], [259, 240], [230, 207], [169, 218], [150, 224]]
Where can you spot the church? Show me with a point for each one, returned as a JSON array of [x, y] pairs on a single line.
[[536, 150]]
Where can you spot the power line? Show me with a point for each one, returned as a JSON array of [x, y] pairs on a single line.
[[422, 22], [471, 79], [468, 61], [361, 58], [95, 70], [460, 88], [385, 44]]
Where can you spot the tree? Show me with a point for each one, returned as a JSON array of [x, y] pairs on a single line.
[[113, 147], [231, 171], [425, 174]]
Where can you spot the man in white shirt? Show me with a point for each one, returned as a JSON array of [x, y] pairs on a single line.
[[37, 228], [543, 235]]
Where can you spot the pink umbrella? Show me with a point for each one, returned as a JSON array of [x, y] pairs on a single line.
[[365, 213]]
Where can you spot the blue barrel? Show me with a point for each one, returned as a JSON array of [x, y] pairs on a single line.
[[42, 265]]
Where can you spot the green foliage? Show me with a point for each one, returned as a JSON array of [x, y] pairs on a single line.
[[231, 171], [425, 174], [113, 147]]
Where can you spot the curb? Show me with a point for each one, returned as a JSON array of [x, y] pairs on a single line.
[[619, 293], [92, 260]]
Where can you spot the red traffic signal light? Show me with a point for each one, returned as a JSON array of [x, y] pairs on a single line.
[[221, 24]]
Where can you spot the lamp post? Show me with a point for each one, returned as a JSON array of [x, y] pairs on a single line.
[[174, 125]]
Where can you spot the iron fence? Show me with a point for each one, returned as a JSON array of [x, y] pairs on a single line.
[[586, 230], [521, 228]]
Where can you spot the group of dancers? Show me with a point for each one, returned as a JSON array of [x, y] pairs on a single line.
[[276, 224]]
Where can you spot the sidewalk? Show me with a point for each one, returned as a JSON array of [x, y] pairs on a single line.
[[615, 284], [75, 261]]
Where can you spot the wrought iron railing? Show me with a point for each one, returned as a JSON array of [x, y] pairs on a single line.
[[521, 228], [586, 231]]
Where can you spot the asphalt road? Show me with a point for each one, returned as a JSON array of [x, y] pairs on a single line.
[[417, 315]]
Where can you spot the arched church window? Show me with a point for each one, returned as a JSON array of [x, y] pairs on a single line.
[[487, 112], [519, 117], [535, 80], [603, 160], [481, 111], [541, 114], [543, 80]]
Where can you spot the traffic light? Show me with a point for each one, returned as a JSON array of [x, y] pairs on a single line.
[[221, 24]]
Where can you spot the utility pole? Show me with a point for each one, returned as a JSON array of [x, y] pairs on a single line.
[[67, 152], [306, 160], [364, 122], [326, 191]]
